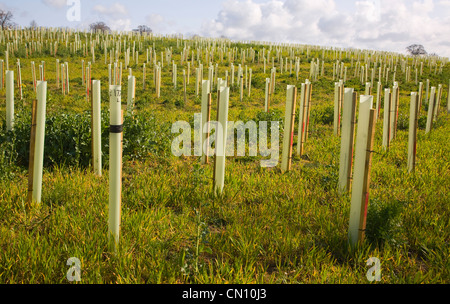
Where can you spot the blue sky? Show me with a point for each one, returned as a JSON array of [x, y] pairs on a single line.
[[389, 25], [169, 15]]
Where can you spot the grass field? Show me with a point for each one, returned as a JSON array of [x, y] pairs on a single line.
[[267, 227]]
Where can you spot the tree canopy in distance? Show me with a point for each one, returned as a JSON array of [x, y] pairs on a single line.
[[143, 29], [99, 26], [416, 49], [6, 19]]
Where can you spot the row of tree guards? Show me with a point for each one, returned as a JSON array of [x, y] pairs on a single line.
[[358, 182], [32, 41], [383, 65], [354, 179], [345, 115], [366, 65], [115, 78]]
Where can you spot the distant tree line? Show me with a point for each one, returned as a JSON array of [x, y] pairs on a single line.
[[6, 19], [7, 16], [419, 50], [143, 29], [101, 26]]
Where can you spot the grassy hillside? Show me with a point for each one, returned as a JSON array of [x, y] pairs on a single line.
[[267, 227]]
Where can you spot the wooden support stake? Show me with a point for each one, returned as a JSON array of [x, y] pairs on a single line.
[[184, 87], [431, 106], [143, 76], [420, 95], [361, 181], [32, 149], [205, 103], [57, 73], [208, 122], [397, 106], [291, 99], [63, 77], [250, 82], [387, 117], [96, 128], [412, 139], [67, 77], [393, 113], [308, 109], [337, 110], [368, 89], [197, 81], [266, 104], [9, 100], [341, 102], [83, 72], [241, 96], [378, 103], [221, 140], [115, 164], [302, 119], [2, 73], [437, 103], [131, 94], [448, 99], [40, 141], [347, 140], [19, 79]]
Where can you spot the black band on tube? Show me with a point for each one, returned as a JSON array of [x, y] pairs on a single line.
[[116, 129]]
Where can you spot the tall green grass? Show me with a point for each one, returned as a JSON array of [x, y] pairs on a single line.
[[267, 227]]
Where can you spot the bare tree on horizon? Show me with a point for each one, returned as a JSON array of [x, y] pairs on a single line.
[[416, 49], [6, 19], [143, 29], [33, 24], [100, 25]]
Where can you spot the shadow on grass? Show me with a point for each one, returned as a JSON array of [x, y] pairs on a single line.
[[384, 224], [384, 228]]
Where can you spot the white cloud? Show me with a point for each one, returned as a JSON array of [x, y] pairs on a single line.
[[4, 7], [156, 22], [55, 3], [335, 26], [444, 3], [368, 11], [424, 6], [115, 15], [115, 10], [237, 19], [370, 24], [121, 24]]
